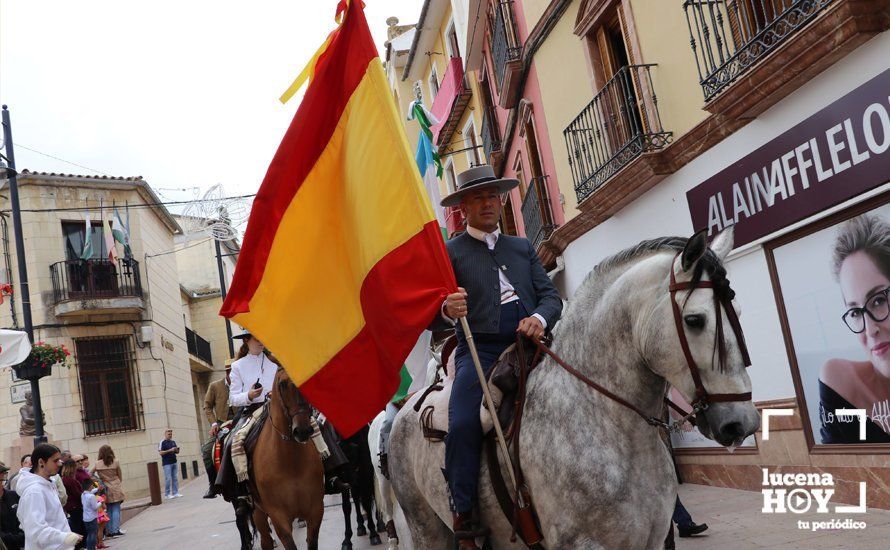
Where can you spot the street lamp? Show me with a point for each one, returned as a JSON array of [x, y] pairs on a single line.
[[7, 171]]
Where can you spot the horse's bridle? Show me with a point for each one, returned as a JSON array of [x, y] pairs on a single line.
[[702, 398], [303, 408]]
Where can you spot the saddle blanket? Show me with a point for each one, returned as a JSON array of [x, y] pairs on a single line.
[[434, 409]]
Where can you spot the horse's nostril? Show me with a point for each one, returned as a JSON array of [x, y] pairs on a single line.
[[733, 430]]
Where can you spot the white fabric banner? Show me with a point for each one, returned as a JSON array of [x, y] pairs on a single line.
[[14, 347]]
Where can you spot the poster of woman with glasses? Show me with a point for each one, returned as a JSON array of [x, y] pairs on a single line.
[[835, 284]]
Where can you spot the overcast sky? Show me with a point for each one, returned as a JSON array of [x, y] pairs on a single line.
[[182, 93]]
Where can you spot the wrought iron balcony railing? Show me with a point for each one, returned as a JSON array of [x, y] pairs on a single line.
[[505, 46], [536, 213], [198, 346], [491, 139], [97, 278], [620, 124], [729, 36]]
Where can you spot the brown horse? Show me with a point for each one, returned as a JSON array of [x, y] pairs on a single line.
[[288, 478]]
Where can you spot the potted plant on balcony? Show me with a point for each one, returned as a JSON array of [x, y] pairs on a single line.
[[41, 360]]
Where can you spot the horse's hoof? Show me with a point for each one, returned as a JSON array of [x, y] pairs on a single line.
[[361, 531], [346, 546], [375, 540]]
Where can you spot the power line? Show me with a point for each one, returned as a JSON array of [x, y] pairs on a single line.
[[147, 205], [175, 250], [63, 160]]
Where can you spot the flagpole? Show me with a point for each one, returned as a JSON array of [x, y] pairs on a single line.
[[489, 404]]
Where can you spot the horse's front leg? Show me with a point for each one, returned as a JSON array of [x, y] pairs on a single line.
[[359, 518], [347, 518]]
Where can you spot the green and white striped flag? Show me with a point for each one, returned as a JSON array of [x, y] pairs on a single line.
[[121, 233]]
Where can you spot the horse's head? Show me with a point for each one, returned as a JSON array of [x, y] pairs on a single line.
[[296, 408], [701, 348]]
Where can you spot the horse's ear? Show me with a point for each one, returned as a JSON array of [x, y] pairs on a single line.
[[695, 248], [722, 243]]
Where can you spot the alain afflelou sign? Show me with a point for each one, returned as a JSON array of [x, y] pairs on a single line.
[[834, 155]]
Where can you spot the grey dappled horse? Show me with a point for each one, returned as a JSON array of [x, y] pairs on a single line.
[[600, 476]]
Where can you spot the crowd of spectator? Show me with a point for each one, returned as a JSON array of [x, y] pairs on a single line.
[[58, 501]]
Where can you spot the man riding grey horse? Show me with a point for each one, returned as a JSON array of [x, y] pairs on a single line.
[[502, 290]]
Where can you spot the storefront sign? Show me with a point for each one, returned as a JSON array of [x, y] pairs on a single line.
[[836, 154]]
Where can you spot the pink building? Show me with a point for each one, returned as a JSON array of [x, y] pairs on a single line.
[[514, 128]]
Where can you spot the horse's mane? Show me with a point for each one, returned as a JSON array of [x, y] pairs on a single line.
[[616, 264], [609, 270]]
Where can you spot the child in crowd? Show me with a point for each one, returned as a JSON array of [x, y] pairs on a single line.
[[90, 504], [103, 518]]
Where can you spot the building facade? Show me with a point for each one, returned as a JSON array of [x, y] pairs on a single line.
[[673, 117], [648, 118], [206, 335], [121, 318]]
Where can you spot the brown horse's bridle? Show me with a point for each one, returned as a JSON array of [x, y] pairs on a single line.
[[703, 399], [303, 408]]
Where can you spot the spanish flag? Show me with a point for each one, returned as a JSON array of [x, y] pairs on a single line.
[[343, 264]]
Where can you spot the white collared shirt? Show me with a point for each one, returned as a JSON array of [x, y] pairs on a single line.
[[245, 372], [508, 292]]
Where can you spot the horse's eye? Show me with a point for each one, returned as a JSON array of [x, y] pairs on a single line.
[[695, 321]]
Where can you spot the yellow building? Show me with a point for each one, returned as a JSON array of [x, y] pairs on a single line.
[[122, 320], [665, 117]]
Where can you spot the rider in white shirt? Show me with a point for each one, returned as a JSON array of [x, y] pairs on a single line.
[[252, 369]]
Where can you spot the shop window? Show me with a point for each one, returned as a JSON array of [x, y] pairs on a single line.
[[109, 385], [832, 296]]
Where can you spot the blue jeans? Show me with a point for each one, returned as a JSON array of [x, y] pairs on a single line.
[[114, 517], [91, 528], [171, 477], [463, 444]]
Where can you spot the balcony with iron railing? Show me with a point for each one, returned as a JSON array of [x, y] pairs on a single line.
[[96, 286], [506, 52], [619, 125], [198, 347], [537, 214], [491, 138], [451, 100], [729, 36]]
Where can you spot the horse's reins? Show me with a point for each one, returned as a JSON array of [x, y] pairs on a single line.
[[703, 398]]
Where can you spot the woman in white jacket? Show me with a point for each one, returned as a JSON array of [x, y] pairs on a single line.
[[40, 511]]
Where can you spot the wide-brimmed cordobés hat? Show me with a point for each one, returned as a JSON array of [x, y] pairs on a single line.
[[243, 336], [477, 178]]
